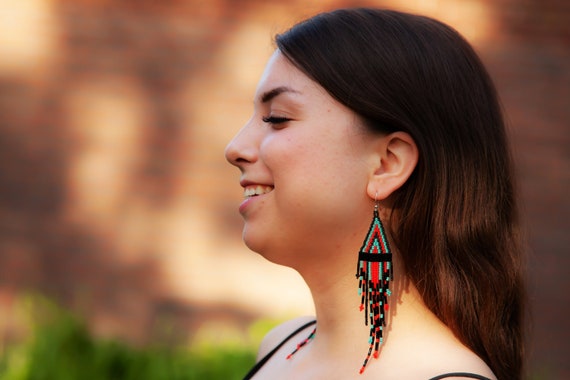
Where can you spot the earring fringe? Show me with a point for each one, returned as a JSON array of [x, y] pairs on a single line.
[[374, 272]]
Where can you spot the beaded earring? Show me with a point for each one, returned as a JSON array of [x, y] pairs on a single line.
[[374, 272]]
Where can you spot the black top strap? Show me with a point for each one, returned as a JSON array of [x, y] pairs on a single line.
[[460, 374], [268, 356]]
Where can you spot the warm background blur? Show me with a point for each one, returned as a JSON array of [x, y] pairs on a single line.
[[116, 200]]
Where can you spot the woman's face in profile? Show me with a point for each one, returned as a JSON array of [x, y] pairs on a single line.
[[304, 161]]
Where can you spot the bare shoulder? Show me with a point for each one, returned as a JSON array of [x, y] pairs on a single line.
[[436, 352], [458, 360], [279, 333], [470, 364]]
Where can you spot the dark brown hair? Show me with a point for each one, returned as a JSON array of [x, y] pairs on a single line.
[[455, 221]]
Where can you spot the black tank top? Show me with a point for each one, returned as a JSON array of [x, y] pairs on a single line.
[[264, 360]]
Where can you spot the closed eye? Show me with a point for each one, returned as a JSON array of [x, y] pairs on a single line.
[[274, 119]]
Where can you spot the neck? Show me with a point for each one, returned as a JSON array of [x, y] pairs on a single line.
[[340, 323]]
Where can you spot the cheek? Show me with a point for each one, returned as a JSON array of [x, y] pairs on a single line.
[[297, 164], [316, 184]]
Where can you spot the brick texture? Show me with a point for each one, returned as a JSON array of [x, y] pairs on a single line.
[[115, 198]]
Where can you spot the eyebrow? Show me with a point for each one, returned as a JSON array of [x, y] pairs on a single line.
[[268, 95]]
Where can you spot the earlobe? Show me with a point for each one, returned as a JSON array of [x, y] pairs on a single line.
[[397, 157]]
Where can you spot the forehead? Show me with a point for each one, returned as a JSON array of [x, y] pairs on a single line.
[[281, 75]]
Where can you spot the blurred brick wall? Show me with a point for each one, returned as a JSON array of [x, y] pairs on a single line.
[[530, 62], [115, 198]]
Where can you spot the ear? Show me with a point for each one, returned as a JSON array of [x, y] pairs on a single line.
[[395, 159]]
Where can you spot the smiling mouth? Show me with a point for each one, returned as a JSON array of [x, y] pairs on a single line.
[[255, 190]]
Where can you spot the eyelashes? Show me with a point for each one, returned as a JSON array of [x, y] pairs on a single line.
[[275, 119]]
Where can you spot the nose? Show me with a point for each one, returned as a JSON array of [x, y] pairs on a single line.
[[242, 149]]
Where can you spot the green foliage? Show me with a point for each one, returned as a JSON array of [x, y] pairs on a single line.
[[62, 348]]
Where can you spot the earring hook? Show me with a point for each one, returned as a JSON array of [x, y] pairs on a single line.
[[376, 201]]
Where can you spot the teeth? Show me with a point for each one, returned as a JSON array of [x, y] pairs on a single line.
[[251, 191]]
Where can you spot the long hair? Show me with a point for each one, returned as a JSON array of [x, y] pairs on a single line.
[[455, 220]]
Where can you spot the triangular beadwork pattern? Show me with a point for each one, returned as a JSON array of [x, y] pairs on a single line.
[[374, 274]]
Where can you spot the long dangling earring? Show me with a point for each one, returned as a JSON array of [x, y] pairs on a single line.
[[374, 272]]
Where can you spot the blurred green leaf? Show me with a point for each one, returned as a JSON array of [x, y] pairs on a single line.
[[62, 348]]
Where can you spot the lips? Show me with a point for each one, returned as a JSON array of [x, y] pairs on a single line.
[[255, 190]]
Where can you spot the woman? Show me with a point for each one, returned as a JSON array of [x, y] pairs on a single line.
[[365, 114]]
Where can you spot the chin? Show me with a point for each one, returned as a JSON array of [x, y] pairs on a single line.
[[265, 250], [252, 246], [253, 242]]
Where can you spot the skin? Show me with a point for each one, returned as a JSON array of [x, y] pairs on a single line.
[[313, 161], [325, 170]]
